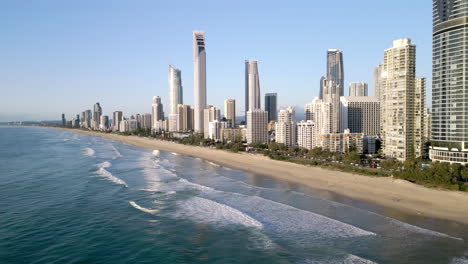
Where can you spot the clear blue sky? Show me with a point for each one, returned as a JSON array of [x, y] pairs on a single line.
[[63, 56]]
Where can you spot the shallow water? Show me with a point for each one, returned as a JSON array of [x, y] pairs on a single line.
[[69, 198]]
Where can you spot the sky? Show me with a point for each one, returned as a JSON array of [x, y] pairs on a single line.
[[63, 56]]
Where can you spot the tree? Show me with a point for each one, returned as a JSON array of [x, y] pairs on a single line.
[[352, 157], [391, 164]]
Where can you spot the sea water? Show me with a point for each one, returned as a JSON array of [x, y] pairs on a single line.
[[70, 198]]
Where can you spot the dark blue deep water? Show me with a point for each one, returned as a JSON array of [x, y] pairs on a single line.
[[69, 198]]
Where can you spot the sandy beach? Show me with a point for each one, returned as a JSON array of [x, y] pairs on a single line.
[[387, 192]]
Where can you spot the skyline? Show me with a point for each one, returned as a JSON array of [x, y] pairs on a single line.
[[136, 67]]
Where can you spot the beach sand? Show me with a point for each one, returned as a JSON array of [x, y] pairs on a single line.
[[383, 191]]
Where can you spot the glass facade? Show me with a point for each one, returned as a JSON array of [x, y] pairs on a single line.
[[271, 100], [449, 80]]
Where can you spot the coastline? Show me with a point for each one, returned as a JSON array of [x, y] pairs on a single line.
[[382, 191]]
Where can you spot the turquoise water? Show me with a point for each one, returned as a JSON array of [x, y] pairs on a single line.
[[69, 198]]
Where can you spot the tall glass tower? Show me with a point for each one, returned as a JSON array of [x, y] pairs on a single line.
[[175, 96], [199, 79], [449, 81], [271, 102], [252, 87]]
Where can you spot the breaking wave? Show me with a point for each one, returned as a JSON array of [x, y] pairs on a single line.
[[107, 175], [89, 152]]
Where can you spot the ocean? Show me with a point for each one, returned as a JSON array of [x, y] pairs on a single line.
[[71, 198]]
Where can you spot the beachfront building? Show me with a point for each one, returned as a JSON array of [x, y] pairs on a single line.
[[271, 106], [332, 87], [401, 102], [116, 119], [358, 89], [157, 113], [96, 116], [104, 123], [184, 118], [285, 128], [199, 80], [306, 134], [88, 118], [210, 114], [252, 87], [175, 95], [230, 111], [214, 129], [257, 122], [342, 142], [233, 134], [146, 121], [320, 112], [360, 114]]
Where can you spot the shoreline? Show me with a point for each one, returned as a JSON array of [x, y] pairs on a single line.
[[382, 191]]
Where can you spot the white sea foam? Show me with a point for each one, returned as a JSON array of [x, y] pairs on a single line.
[[116, 151], [106, 174], [352, 259], [146, 210], [175, 154], [156, 152], [89, 152], [212, 163], [460, 260], [204, 210]]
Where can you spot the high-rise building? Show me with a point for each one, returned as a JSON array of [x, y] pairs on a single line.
[[199, 79], [214, 129], [104, 123], [64, 121], [306, 137], [257, 130], [184, 118], [320, 112], [175, 96], [252, 86], [88, 117], [335, 70], [358, 89], [333, 86], [401, 102], [230, 111], [96, 116], [271, 106], [146, 121], [322, 79], [210, 114], [360, 114], [377, 74], [116, 119], [449, 82], [82, 119], [286, 127], [157, 113]]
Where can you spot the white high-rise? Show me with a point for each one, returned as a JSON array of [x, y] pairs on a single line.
[[306, 134], [175, 96], [199, 79], [184, 118], [257, 126], [286, 127], [210, 114], [116, 119], [252, 86], [401, 102], [358, 89]]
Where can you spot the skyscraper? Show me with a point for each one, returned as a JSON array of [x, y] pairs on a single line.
[[335, 70], [401, 102], [252, 86], [333, 85], [271, 104], [199, 79], [230, 111], [360, 114], [449, 83], [358, 89], [116, 119], [97, 116], [157, 113], [377, 74], [286, 127], [257, 122], [64, 121], [322, 79], [175, 96], [184, 118], [210, 114]]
